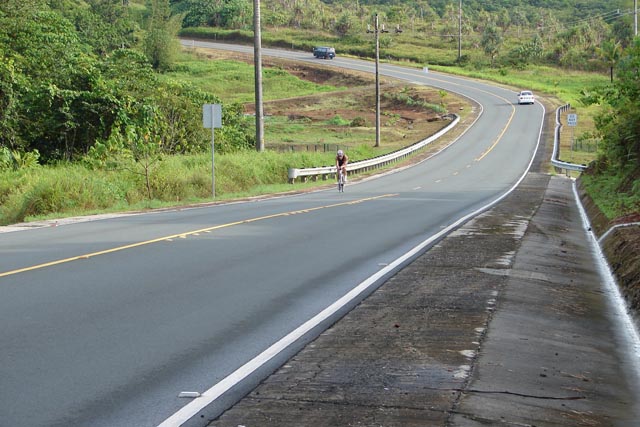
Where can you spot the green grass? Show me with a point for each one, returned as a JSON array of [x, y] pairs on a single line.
[[566, 85], [67, 188], [233, 81], [606, 187], [72, 189], [330, 133]]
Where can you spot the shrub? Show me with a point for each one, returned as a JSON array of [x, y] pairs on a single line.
[[358, 122], [338, 121]]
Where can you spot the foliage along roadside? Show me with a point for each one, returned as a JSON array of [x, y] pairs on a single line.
[[75, 83], [70, 189], [75, 80]]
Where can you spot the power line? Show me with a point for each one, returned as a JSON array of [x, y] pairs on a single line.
[[607, 16]]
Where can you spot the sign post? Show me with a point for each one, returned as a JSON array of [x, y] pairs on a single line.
[[572, 121], [212, 118]]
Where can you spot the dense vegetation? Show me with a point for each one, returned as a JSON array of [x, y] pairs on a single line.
[[499, 32], [85, 82]]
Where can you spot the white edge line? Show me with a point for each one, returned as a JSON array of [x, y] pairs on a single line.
[[191, 409]]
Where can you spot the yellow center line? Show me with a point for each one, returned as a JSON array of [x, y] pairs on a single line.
[[513, 110], [488, 150], [185, 235]]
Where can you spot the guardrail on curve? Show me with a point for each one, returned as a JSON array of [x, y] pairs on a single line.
[[559, 164], [373, 163]]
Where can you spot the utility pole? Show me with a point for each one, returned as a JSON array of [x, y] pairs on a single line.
[[635, 17], [257, 59], [460, 31], [377, 84], [377, 30]]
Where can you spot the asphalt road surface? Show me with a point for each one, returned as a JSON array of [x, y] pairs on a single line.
[[106, 322]]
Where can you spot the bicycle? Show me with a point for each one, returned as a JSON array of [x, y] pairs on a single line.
[[341, 180]]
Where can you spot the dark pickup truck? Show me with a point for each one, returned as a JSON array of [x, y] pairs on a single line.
[[324, 52]]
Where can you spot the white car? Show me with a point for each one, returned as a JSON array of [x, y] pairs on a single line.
[[526, 97]]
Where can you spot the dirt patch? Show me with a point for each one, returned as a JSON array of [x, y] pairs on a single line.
[[347, 117], [353, 110], [622, 249]]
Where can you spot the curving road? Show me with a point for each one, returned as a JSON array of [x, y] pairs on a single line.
[[106, 322]]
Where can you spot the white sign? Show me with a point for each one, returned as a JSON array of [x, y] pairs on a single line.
[[211, 119], [572, 119], [212, 116]]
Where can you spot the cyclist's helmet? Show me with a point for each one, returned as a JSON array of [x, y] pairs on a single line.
[[340, 153]]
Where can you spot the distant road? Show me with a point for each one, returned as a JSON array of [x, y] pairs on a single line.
[[105, 322]]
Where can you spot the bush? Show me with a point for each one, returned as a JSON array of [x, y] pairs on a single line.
[[358, 122], [338, 121]]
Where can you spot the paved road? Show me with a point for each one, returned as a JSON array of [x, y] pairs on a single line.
[[509, 321], [105, 322]]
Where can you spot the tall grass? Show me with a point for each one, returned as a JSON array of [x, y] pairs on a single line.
[[66, 188], [72, 189]]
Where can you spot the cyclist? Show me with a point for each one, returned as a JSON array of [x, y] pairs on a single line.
[[341, 163]]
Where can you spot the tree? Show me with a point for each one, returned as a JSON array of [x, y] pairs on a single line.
[[519, 19], [491, 42], [622, 30], [161, 44], [345, 23], [610, 52], [236, 14], [47, 76], [9, 103], [105, 25], [450, 23], [503, 20], [618, 124], [197, 13], [521, 55]]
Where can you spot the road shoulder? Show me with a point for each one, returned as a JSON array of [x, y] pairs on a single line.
[[551, 356], [502, 322]]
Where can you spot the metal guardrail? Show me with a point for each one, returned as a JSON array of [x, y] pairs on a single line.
[[559, 164], [369, 164]]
